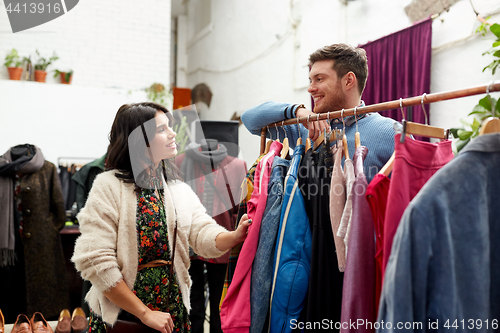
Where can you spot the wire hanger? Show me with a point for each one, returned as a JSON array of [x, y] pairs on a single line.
[[268, 144], [357, 139], [344, 138], [421, 129], [490, 124], [286, 145], [308, 140]]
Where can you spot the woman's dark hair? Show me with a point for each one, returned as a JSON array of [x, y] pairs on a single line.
[[138, 117]]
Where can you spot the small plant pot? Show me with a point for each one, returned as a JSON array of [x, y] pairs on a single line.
[[15, 73], [63, 78], [40, 75]]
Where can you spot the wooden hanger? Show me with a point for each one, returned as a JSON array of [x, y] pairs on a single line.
[[421, 129], [299, 140], [308, 140], [490, 125], [344, 138], [387, 168], [268, 144], [285, 151], [321, 136], [357, 139]]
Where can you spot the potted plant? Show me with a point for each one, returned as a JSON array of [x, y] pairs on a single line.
[[13, 64], [66, 77], [41, 66]]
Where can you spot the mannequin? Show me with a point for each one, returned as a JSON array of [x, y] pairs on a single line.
[[216, 178]]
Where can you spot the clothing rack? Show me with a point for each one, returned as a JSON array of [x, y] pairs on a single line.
[[67, 161], [404, 102]]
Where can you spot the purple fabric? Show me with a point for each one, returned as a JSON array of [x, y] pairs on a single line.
[[358, 295], [400, 66]]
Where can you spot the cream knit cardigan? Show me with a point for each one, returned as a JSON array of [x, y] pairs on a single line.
[[107, 250]]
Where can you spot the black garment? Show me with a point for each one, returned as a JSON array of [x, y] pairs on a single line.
[[215, 276], [324, 299]]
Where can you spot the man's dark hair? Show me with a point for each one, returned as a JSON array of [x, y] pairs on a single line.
[[345, 59], [127, 119]]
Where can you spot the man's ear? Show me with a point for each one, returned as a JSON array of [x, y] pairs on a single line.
[[350, 81]]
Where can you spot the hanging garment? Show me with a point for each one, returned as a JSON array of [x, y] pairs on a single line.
[[235, 311], [415, 163], [345, 222], [324, 297], [376, 195], [358, 295], [337, 203], [38, 204], [292, 259], [262, 269], [246, 193], [444, 266], [84, 178]]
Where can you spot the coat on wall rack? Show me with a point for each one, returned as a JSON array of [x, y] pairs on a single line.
[[410, 101]]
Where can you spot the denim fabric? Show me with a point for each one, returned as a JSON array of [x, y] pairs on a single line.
[[262, 270], [445, 263], [293, 254]]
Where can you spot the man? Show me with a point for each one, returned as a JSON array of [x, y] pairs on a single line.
[[337, 80]]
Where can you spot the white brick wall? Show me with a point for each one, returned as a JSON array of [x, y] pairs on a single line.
[[113, 43]]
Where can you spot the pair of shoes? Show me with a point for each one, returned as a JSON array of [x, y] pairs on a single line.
[[37, 324], [2, 323], [76, 323]]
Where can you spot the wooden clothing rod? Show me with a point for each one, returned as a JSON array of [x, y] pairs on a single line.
[[410, 101]]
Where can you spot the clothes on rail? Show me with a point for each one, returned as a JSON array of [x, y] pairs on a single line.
[[84, 178], [358, 295], [325, 282], [415, 162], [235, 310], [246, 193], [376, 196], [292, 257], [444, 264], [337, 203], [262, 270], [31, 216], [377, 132]]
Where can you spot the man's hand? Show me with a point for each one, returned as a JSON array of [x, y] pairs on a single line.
[[315, 127]]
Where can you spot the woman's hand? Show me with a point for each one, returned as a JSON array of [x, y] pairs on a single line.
[[240, 234], [227, 240], [160, 321], [315, 127]]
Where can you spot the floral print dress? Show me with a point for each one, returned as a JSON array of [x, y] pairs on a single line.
[[152, 285]]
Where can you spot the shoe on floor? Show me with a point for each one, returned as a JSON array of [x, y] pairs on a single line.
[[39, 324], [64, 322], [22, 325], [79, 322]]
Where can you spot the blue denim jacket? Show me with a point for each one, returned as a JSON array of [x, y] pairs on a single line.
[[262, 269], [292, 259], [444, 267]]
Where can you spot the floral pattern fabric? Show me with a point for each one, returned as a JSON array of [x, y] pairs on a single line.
[[152, 285]]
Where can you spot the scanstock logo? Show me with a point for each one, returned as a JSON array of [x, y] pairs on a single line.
[[26, 14]]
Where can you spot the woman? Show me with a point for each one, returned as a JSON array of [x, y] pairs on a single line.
[[137, 213]]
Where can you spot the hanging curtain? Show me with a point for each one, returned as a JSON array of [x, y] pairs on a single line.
[[400, 66]]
